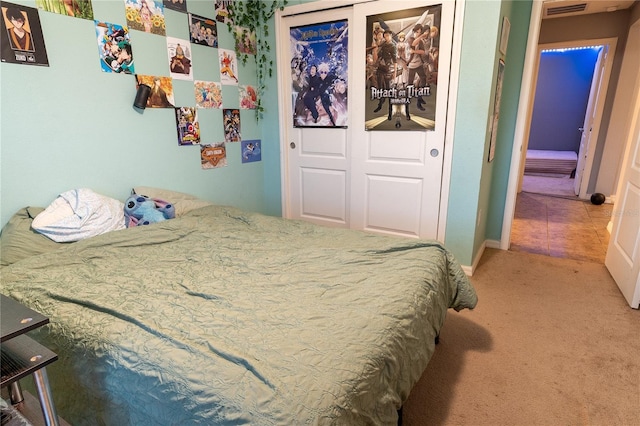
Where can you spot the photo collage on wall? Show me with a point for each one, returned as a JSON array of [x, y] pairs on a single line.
[[23, 43]]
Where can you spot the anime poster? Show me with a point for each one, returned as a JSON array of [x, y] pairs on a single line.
[[213, 155], [114, 48], [203, 31], [208, 94], [177, 5], [319, 74], [222, 11], [402, 69], [245, 41], [75, 8], [251, 151], [231, 123], [188, 126], [21, 35], [179, 58], [248, 97], [161, 95], [145, 15], [228, 67]]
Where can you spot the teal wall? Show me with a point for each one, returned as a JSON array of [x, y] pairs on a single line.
[[519, 14], [478, 188], [71, 125], [470, 149]]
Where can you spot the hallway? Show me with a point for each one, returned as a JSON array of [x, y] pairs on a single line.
[[560, 226]]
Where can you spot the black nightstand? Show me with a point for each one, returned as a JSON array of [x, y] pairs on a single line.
[[22, 356]]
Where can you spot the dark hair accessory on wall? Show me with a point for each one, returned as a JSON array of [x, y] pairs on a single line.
[[142, 95]]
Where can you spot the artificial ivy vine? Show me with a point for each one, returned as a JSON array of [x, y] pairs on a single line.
[[255, 15]]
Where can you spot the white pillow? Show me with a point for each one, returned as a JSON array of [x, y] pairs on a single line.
[[78, 214], [183, 203]]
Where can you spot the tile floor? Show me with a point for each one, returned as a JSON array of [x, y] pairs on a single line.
[[560, 227]]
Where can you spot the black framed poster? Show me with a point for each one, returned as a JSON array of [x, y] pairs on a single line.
[[21, 35]]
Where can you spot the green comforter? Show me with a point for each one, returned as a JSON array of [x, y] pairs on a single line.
[[228, 317]]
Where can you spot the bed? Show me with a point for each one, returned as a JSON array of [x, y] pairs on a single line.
[[223, 316], [550, 163]]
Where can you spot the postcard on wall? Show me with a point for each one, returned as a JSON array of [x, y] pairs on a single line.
[[145, 15], [213, 155], [208, 94], [228, 67], [177, 5], [319, 69], [222, 11], [203, 31], [114, 48], [21, 36], [188, 126], [246, 41], [402, 69], [248, 96], [179, 58], [251, 151], [161, 95], [74, 8], [231, 123]]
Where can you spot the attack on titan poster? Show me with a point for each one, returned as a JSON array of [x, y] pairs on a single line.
[[402, 69]]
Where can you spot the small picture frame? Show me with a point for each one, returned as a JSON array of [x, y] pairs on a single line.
[[504, 35]]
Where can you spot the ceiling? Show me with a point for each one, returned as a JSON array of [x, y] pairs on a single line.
[[563, 8]]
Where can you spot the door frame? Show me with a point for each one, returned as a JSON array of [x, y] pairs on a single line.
[[282, 49], [525, 109]]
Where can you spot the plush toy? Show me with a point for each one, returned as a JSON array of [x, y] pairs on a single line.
[[142, 210]]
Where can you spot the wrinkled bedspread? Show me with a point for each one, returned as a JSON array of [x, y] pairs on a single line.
[[227, 317]]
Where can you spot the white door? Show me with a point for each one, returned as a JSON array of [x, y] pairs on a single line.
[[318, 158], [623, 253], [580, 187], [385, 181]]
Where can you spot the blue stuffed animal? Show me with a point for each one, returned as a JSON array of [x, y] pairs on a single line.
[[142, 210]]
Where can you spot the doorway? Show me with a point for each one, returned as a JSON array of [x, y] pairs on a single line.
[[563, 86], [553, 214]]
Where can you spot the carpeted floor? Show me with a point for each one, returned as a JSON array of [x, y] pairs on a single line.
[[551, 342]]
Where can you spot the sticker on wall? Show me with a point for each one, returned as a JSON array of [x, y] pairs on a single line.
[[114, 48], [319, 69], [248, 96], [145, 15], [161, 95], [228, 67], [177, 5], [75, 8], [188, 126], [203, 31], [208, 94], [245, 40], [222, 11], [231, 123], [213, 156], [251, 151], [21, 35], [402, 69], [179, 58]]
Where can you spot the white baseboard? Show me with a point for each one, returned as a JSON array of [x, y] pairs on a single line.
[[469, 270]]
